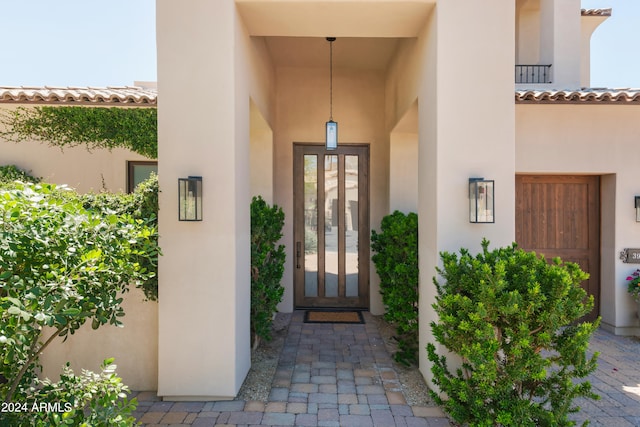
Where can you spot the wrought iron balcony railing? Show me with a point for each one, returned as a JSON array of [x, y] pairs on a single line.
[[533, 74]]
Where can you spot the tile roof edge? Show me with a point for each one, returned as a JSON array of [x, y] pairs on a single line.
[[596, 12], [113, 95], [625, 96]]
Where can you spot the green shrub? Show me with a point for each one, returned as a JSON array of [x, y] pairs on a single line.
[[90, 399], [61, 266], [141, 205], [11, 173], [514, 321], [396, 262], [267, 266]]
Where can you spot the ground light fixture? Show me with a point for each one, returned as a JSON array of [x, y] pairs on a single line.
[[481, 200], [331, 127], [190, 198]]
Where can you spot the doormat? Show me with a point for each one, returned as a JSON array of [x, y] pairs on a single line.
[[333, 316]]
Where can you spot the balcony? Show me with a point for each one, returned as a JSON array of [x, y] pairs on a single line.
[[532, 74]]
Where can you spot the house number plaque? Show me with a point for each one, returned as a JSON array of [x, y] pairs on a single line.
[[631, 256]]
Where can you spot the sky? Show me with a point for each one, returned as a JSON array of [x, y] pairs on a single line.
[[112, 43]]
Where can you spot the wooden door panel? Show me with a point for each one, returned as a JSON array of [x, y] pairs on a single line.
[[559, 216]]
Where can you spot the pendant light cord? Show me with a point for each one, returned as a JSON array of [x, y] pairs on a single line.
[[331, 40]]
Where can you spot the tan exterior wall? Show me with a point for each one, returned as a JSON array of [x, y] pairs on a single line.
[[403, 176], [588, 25], [601, 140], [528, 32], [560, 41], [261, 156], [204, 49], [358, 107], [461, 138], [134, 346]]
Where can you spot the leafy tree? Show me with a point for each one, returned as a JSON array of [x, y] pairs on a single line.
[[94, 127], [61, 265], [514, 319], [396, 262], [267, 266]]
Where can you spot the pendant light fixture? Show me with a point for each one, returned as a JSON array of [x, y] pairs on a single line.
[[331, 127]]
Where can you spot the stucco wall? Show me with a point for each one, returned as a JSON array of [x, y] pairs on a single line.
[[358, 107], [204, 49], [403, 177], [134, 346], [601, 140]]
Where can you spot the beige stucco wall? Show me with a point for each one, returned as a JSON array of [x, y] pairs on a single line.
[[466, 130], [261, 156], [560, 41], [527, 32], [134, 346], [204, 49], [601, 140], [403, 174], [358, 107], [588, 25]]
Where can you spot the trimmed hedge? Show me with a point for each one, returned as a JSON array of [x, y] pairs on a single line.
[[514, 319], [396, 262]]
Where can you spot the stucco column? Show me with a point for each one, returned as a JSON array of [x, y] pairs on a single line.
[[560, 43], [204, 349], [466, 130]]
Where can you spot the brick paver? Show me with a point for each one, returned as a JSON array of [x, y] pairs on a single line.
[[341, 375]]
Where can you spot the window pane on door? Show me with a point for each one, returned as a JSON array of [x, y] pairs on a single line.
[[331, 226], [351, 225], [311, 225]]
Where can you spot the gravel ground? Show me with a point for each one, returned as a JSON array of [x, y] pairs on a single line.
[[414, 387], [264, 361]]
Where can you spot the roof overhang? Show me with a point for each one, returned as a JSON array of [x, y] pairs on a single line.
[[339, 18]]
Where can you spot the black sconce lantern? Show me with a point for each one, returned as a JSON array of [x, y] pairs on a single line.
[[637, 200], [481, 200], [190, 198]]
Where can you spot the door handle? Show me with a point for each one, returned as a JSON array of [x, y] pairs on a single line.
[[298, 253]]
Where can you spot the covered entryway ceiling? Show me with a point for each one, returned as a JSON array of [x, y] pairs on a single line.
[[313, 52], [339, 18]]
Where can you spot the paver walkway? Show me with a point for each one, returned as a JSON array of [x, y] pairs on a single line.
[[341, 375], [616, 381], [333, 375]]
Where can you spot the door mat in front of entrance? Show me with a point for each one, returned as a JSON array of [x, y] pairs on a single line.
[[335, 316]]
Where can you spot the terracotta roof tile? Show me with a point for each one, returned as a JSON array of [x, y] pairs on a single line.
[[596, 12], [129, 95], [132, 95], [583, 96]]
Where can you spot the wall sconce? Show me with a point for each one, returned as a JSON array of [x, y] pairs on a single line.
[[481, 202], [190, 198], [637, 200]]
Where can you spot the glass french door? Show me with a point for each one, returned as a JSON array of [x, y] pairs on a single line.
[[331, 226]]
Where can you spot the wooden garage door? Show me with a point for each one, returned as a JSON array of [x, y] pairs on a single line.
[[559, 216]]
